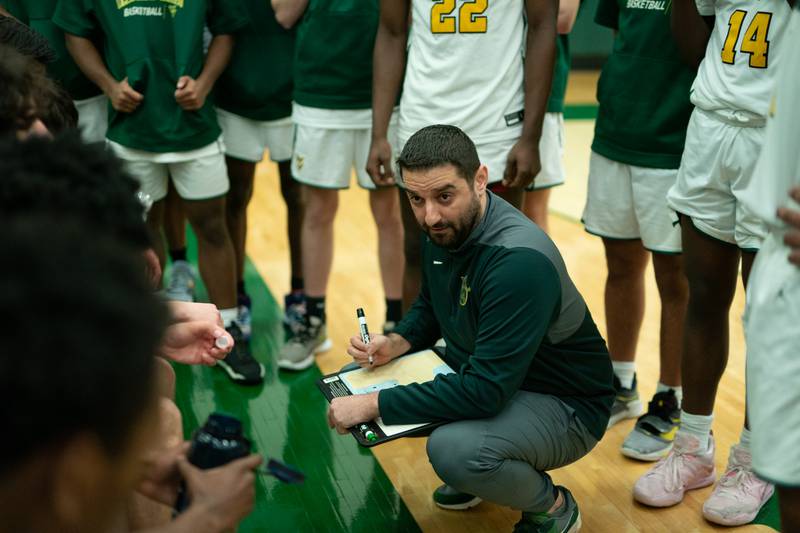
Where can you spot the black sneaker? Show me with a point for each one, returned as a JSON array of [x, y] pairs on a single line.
[[240, 365], [567, 519], [447, 497]]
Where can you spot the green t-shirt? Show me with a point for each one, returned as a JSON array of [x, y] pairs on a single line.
[[555, 104], [153, 43], [333, 54], [258, 81], [643, 89], [38, 14]]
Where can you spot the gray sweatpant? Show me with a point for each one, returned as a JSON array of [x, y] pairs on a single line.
[[505, 459]]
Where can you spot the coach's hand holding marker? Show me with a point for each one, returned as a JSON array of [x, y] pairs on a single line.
[[362, 326]]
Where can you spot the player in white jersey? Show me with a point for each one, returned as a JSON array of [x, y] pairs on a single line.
[[726, 132], [772, 316], [465, 66]]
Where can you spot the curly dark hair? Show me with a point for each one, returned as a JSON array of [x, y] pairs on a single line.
[[66, 177], [85, 363]]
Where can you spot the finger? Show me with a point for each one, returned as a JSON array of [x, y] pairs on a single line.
[[188, 471], [184, 447], [341, 430], [331, 422], [250, 462], [133, 95], [790, 216], [356, 354], [183, 81], [792, 239], [794, 257], [795, 194], [523, 178], [357, 343], [511, 171]]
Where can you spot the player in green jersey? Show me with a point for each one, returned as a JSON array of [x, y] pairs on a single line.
[[639, 137], [153, 70], [254, 108], [333, 117]]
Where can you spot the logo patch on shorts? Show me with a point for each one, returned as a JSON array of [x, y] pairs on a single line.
[[299, 160]]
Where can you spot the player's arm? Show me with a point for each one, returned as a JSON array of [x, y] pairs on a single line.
[[567, 13], [523, 161], [191, 93], [388, 64], [122, 96], [691, 29], [288, 12]]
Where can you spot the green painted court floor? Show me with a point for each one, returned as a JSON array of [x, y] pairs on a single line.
[[345, 487]]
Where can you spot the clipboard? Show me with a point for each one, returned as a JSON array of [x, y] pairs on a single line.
[[417, 367]]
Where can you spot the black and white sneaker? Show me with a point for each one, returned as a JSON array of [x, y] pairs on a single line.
[[240, 365]]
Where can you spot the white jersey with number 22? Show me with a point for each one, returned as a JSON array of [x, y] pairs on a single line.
[[465, 68]]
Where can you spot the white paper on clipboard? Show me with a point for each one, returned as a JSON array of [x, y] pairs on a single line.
[[417, 367]]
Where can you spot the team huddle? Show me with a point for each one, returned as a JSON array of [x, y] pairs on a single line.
[[693, 153]]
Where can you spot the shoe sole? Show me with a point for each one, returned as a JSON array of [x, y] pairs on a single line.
[[240, 379], [308, 361], [576, 526], [634, 410], [650, 457], [459, 506], [699, 485], [738, 520]]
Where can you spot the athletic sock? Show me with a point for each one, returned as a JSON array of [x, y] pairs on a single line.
[[678, 391], [297, 284], [178, 254], [315, 306], [625, 371], [229, 316], [698, 426], [394, 310], [744, 439]]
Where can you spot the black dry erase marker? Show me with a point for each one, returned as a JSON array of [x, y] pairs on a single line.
[[362, 325]]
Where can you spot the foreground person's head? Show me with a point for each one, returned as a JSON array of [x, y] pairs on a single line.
[[77, 388]]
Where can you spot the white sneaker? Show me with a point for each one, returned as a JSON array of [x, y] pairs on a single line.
[[684, 468], [181, 282], [739, 493]]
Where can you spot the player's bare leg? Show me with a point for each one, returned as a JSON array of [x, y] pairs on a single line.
[[317, 238], [624, 296], [512, 196], [711, 269], [174, 220], [155, 224], [216, 257], [293, 197], [673, 289], [412, 275], [386, 211], [240, 174], [535, 207]]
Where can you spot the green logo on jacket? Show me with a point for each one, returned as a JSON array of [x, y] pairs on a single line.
[[465, 290]]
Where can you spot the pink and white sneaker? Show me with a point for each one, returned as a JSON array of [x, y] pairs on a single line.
[[739, 493], [684, 468]]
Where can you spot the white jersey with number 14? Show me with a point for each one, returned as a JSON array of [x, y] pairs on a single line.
[[738, 71], [465, 68]]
